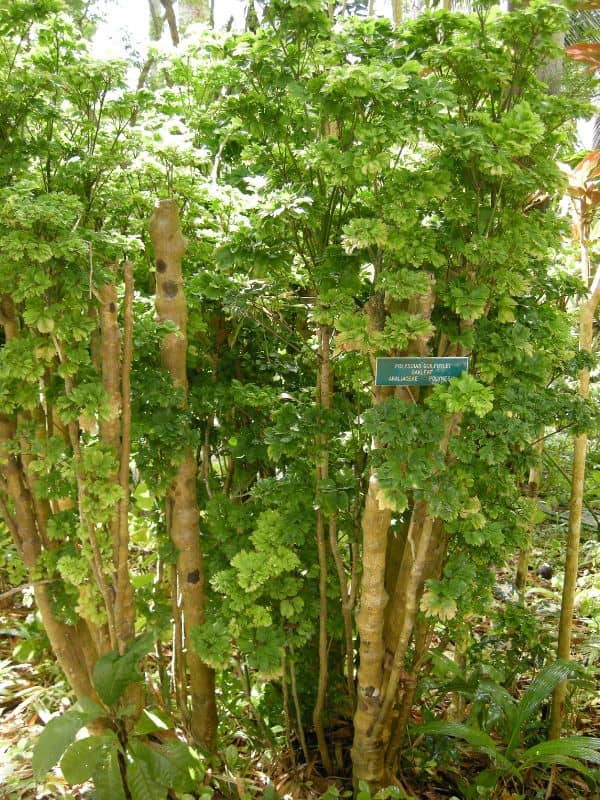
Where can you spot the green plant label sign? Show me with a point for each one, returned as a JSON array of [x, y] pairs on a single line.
[[418, 371]]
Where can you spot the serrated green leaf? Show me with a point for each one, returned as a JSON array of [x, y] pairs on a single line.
[[161, 769], [189, 770]]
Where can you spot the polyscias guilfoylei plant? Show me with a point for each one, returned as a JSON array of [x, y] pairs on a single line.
[[396, 176], [388, 182], [60, 472], [350, 191]]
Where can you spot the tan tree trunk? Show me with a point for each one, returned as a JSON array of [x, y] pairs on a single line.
[[372, 724], [110, 434], [169, 246], [194, 11], [586, 335], [367, 752], [115, 432], [72, 645], [532, 495], [26, 519], [324, 401]]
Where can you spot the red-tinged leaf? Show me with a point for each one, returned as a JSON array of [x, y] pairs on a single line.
[[592, 197], [586, 53], [588, 5], [588, 166]]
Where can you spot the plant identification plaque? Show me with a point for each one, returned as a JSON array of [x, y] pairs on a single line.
[[415, 371]]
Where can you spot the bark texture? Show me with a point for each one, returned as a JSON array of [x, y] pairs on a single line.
[[324, 400], [72, 645], [586, 335], [532, 495], [169, 247], [26, 519], [124, 600]]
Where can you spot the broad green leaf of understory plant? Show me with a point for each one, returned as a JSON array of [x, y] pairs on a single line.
[[142, 784], [84, 757], [569, 752], [154, 764], [113, 673], [59, 733], [107, 778]]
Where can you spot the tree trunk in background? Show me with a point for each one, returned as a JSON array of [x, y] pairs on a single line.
[[194, 11], [182, 507], [322, 474], [551, 72], [115, 434], [156, 19], [586, 335], [533, 486], [71, 644]]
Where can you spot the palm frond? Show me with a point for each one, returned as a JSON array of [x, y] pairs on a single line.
[[596, 134], [473, 736], [540, 689], [586, 748], [568, 752], [584, 26], [500, 697]]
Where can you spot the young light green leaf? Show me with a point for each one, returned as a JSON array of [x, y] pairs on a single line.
[[152, 720]]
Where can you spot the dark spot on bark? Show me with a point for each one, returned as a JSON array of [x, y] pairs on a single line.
[[170, 288], [161, 265], [112, 308], [193, 577]]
